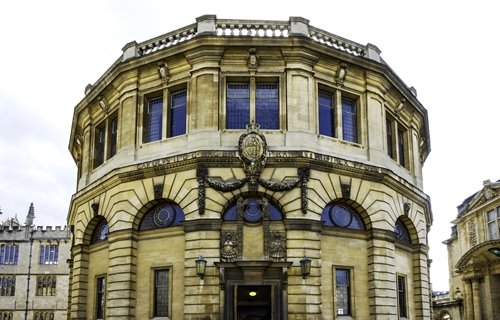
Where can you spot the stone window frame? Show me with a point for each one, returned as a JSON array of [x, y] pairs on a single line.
[[398, 149], [165, 94], [53, 254], [338, 112], [253, 79], [103, 140], [402, 296], [153, 271], [46, 285], [352, 310], [495, 221], [100, 296]]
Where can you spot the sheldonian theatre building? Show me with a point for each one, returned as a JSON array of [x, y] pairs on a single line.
[[239, 169]]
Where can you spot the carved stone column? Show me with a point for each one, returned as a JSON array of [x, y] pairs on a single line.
[[469, 307], [476, 296]]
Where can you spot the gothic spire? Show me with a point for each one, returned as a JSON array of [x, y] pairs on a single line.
[[31, 216]]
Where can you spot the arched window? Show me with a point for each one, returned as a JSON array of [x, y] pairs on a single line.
[[162, 216], [100, 233], [401, 232], [252, 209], [341, 216]]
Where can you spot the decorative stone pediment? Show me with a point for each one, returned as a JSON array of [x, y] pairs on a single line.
[[489, 191]]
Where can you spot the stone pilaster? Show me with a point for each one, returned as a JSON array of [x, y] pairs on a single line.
[[79, 282], [121, 279], [202, 296], [476, 295], [382, 276], [469, 306], [421, 283], [304, 295]]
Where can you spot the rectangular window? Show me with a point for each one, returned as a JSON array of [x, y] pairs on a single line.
[[388, 128], [152, 124], [343, 291], [161, 293], [402, 305], [7, 286], [100, 297], [396, 141], [237, 105], [253, 100], [326, 113], [9, 253], [493, 223], [49, 254], [177, 114], [349, 120], [46, 285], [267, 105], [401, 147], [99, 143], [113, 135]]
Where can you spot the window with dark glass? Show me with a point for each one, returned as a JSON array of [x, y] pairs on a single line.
[[493, 223], [402, 305], [396, 140], [46, 285], [401, 147], [401, 232], [267, 105], [326, 113], [337, 115], [113, 135], [100, 297], [161, 293], [253, 100], [177, 115], [153, 115], [7, 285], [49, 254], [99, 143], [162, 216], [9, 253], [342, 216], [388, 128], [343, 291], [349, 120], [44, 315], [100, 233]]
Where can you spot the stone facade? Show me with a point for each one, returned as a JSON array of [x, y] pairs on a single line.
[[33, 270], [328, 169], [474, 258]]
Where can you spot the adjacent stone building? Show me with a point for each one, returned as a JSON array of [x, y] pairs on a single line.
[[474, 258], [34, 273], [236, 169]]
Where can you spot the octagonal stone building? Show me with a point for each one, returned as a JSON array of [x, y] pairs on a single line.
[[237, 169]]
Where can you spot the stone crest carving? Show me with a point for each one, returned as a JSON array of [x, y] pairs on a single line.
[[252, 151]]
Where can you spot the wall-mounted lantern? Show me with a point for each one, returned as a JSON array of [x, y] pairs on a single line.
[[305, 267], [201, 264]]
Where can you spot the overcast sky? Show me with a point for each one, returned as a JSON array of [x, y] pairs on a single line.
[[50, 50]]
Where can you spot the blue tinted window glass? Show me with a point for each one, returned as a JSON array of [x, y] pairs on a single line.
[[267, 105], [326, 113], [178, 113], [237, 105], [349, 120], [153, 120]]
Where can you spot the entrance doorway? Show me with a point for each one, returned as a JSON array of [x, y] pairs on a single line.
[[253, 302]]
